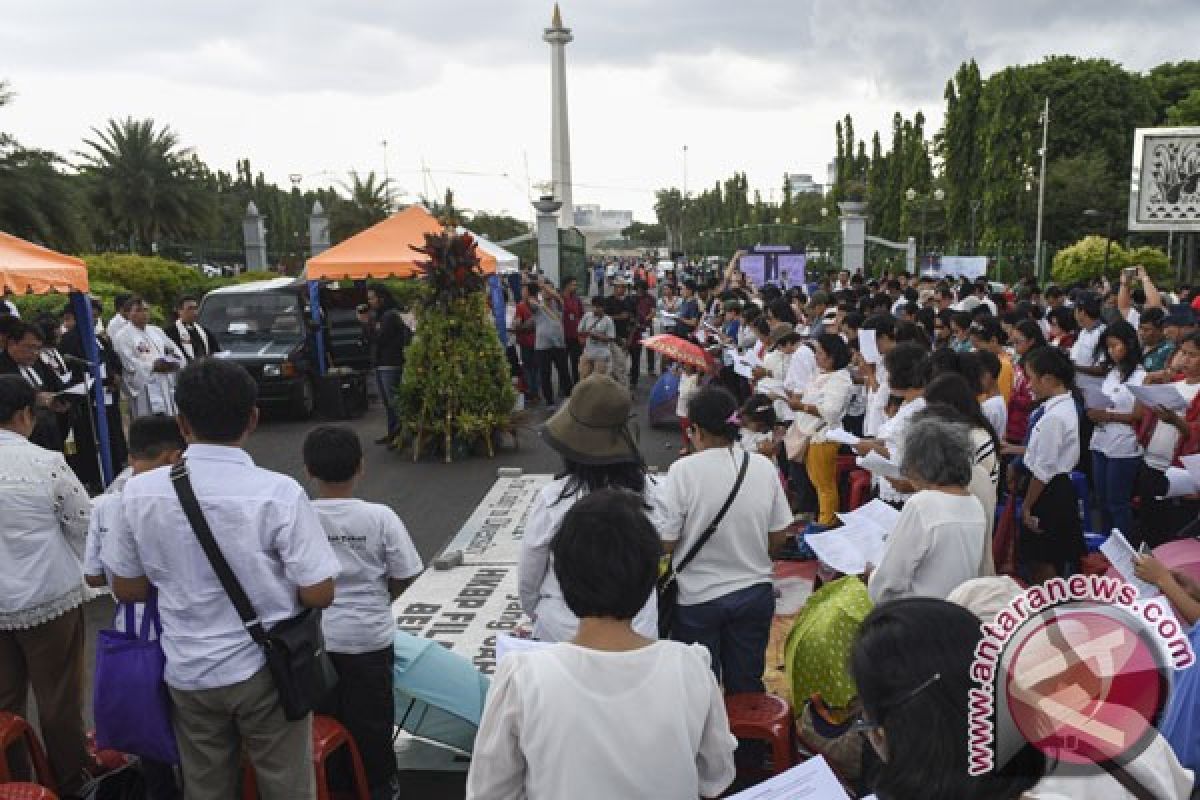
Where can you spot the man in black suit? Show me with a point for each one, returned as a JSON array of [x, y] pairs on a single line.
[[88, 469], [21, 357], [193, 339]]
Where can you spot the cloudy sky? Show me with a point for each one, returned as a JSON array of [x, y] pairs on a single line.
[[313, 87]]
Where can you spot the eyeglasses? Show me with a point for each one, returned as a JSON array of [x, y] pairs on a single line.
[[863, 725]]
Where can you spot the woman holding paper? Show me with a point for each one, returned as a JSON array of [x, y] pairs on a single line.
[[1116, 455], [820, 408], [1167, 436], [907, 367], [939, 539]]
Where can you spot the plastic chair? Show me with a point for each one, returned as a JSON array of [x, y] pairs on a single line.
[[25, 791], [860, 489], [13, 730], [328, 737], [764, 717]]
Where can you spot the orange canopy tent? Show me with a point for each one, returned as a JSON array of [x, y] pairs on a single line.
[[383, 251], [26, 268]]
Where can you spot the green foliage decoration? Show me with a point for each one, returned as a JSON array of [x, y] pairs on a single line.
[[1084, 260], [457, 389]]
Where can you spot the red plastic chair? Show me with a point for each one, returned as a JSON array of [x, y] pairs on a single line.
[[860, 489], [328, 736], [13, 730], [764, 717], [25, 791]]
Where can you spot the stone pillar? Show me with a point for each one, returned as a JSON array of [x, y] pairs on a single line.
[[547, 238], [558, 36], [254, 232], [318, 230], [910, 256], [854, 235]]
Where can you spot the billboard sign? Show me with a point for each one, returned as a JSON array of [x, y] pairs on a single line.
[[1164, 193]]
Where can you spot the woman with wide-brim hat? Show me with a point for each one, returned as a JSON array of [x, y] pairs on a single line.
[[598, 444]]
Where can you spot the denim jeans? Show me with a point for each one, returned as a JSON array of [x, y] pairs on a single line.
[[736, 629], [1113, 481], [388, 379]]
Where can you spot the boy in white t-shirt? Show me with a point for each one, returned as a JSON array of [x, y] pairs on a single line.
[[378, 562], [154, 441]]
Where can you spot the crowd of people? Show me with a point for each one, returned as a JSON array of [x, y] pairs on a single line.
[[981, 400]]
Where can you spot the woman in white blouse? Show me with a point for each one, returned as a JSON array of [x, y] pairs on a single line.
[[45, 514], [938, 541], [598, 452], [1051, 530], [908, 371], [1116, 454], [611, 713], [820, 408]]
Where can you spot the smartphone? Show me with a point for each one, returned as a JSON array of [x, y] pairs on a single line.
[[362, 308], [1130, 273]]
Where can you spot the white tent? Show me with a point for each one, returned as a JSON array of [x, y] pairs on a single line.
[[505, 261]]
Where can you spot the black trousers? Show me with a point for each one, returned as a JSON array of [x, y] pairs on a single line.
[[574, 351], [362, 702], [556, 357], [1159, 520]]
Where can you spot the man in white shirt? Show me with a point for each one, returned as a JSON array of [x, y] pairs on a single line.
[[150, 360], [120, 317], [1086, 353], [378, 562], [225, 700]]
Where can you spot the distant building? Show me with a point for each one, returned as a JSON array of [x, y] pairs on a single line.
[[802, 183], [831, 174]]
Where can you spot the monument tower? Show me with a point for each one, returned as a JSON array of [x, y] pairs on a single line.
[[558, 37]]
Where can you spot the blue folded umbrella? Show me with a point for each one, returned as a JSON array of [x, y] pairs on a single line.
[[438, 694], [663, 397]]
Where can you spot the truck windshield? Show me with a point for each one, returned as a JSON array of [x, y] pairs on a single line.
[[256, 315]]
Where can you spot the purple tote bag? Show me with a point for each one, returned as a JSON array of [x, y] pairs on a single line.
[[130, 699]]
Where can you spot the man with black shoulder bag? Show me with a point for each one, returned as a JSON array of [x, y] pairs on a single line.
[[242, 566]]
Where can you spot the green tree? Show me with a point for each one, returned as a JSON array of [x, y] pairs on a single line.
[[365, 205], [144, 184], [960, 148], [497, 227], [646, 235], [1009, 109], [1084, 260], [1070, 190], [1186, 111], [1171, 83]]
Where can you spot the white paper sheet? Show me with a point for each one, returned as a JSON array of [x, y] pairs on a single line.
[[842, 436], [812, 780], [771, 387], [1088, 381], [507, 644], [1192, 465], [849, 549], [1122, 556], [880, 466], [868, 346], [876, 512], [1094, 398], [1180, 483], [1155, 396]]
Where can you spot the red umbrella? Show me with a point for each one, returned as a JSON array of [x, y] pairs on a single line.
[[679, 349]]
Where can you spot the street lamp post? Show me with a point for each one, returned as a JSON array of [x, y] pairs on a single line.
[[912, 196]]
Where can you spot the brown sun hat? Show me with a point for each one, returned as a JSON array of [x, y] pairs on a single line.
[[594, 427], [778, 331]]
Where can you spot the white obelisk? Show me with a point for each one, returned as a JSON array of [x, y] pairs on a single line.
[[558, 37]]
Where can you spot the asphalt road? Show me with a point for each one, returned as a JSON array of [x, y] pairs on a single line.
[[433, 498]]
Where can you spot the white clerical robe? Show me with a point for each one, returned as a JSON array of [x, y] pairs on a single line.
[[139, 348]]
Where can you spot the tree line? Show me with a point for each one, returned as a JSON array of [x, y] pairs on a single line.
[[984, 160], [133, 186]]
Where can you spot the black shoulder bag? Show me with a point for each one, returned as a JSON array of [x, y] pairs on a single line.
[[294, 648], [668, 586]]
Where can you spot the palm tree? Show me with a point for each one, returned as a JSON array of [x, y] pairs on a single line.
[[144, 183], [369, 202], [6, 93]]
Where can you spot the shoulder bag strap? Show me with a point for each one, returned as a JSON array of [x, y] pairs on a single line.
[[712, 527], [1127, 781], [229, 581]]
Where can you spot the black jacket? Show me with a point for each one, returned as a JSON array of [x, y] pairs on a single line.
[[47, 432], [214, 346], [389, 337]]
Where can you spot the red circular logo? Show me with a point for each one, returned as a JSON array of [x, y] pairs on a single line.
[[1085, 683]]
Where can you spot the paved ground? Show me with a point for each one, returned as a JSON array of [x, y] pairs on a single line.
[[433, 498]]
